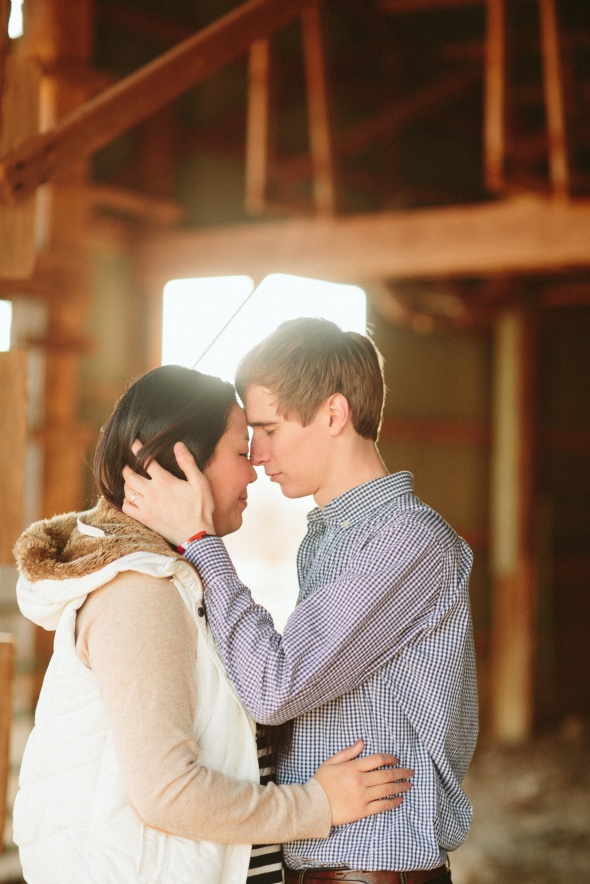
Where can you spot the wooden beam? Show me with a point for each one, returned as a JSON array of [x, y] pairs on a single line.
[[554, 99], [19, 119], [408, 6], [257, 126], [512, 564], [7, 669], [158, 28], [435, 432], [320, 133], [388, 120], [13, 408], [512, 235], [495, 96], [104, 117], [4, 16]]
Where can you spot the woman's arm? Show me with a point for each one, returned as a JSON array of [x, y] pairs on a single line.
[[139, 640]]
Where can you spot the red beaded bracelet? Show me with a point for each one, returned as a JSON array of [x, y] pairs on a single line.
[[183, 546]]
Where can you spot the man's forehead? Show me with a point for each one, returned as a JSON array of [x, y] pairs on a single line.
[[261, 406]]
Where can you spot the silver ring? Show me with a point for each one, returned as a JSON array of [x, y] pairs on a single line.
[[133, 496]]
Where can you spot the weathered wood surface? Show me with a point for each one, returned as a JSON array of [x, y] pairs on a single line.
[[13, 436], [19, 119], [101, 119], [7, 668], [512, 235]]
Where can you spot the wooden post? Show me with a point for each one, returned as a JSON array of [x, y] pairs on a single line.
[[19, 119], [55, 29], [13, 408], [320, 135], [257, 128], [495, 96], [101, 119], [7, 668], [513, 603], [554, 99]]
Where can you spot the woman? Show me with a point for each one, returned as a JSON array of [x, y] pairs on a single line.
[[142, 766]]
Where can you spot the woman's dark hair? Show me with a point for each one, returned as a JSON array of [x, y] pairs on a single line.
[[167, 405]]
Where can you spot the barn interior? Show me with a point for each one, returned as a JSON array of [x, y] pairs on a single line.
[[435, 153]]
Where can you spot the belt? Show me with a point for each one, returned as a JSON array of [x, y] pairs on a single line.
[[415, 876]]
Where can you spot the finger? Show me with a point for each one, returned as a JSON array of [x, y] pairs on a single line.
[[133, 481], [381, 759], [347, 754], [187, 463], [389, 790], [388, 775], [384, 804], [132, 498], [131, 501], [153, 469]]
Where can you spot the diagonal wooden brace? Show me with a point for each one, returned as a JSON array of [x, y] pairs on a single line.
[[106, 116]]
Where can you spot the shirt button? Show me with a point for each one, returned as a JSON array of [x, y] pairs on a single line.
[[345, 523]]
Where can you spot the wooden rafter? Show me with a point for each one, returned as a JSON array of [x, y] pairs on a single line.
[[495, 95], [388, 120], [554, 99], [320, 135], [116, 110], [258, 125], [407, 6], [320, 159], [512, 235]]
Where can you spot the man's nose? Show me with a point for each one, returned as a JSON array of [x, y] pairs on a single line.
[[257, 453]]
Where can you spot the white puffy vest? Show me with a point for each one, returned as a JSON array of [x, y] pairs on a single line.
[[72, 821]]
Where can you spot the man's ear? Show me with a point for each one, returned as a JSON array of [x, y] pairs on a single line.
[[338, 412]]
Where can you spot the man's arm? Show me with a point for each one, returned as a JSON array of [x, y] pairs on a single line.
[[336, 637]]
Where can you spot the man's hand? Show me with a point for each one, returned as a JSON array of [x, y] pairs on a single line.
[[171, 507]]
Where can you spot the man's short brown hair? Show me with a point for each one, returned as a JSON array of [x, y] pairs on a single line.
[[306, 360]]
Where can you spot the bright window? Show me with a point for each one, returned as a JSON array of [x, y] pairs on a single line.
[[5, 324], [197, 320], [15, 21]]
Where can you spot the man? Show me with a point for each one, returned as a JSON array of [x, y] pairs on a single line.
[[380, 644]]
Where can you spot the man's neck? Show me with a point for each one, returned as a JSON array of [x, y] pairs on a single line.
[[358, 464]]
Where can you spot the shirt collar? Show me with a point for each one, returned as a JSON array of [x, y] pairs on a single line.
[[356, 504]]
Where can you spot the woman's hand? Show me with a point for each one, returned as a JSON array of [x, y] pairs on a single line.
[[171, 507], [359, 787]]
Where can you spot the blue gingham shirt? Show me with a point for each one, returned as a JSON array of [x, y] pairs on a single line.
[[380, 646]]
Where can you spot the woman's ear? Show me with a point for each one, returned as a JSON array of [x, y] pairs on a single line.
[[339, 413]]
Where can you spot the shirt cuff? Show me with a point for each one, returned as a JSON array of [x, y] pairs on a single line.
[[210, 558]]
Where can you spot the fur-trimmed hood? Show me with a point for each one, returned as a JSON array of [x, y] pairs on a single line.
[[62, 559]]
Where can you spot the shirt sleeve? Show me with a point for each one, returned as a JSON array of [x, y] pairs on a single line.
[[140, 642], [336, 637]]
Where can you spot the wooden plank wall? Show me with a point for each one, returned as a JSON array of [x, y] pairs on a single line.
[[13, 403]]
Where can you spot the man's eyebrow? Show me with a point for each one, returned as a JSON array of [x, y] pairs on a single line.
[[262, 423]]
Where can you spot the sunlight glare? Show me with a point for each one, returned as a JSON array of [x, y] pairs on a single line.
[[15, 21], [195, 310], [5, 324]]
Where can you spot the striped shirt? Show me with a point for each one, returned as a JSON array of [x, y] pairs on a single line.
[[380, 646], [266, 861]]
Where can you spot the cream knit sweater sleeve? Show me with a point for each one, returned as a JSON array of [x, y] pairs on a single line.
[[138, 638]]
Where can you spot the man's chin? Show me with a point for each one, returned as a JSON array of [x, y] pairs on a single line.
[[292, 493]]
